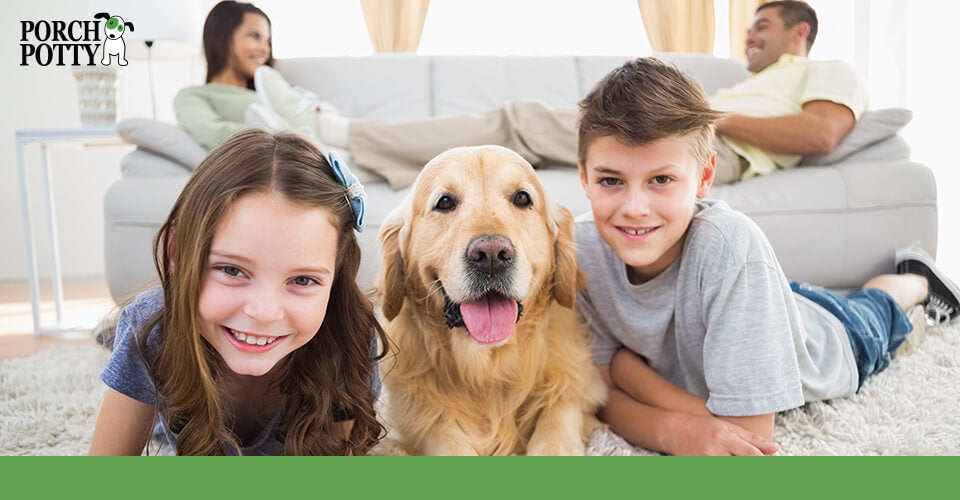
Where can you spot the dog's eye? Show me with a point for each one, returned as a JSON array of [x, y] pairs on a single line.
[[445, 204], [522, 199]]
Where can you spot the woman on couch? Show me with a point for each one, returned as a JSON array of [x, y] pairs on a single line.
[[236, 41]]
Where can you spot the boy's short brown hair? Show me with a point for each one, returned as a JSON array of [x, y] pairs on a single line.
[[645, 100]]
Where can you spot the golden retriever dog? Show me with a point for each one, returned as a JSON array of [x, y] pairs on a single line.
[[479, 283]]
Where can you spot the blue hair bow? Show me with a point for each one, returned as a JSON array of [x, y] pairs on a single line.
[[355, 193]]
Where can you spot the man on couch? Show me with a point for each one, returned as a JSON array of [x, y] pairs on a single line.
[[790, 107]]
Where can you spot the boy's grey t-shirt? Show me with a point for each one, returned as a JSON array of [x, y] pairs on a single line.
[[720, 322]]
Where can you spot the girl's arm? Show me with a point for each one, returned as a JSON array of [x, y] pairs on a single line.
[[123, 426], [346, 426]]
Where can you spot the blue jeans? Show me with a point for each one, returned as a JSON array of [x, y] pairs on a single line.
[[875, 323]]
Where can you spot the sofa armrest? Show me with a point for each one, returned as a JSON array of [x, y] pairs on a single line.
[[133, 210], [145, 163], [838, 226]]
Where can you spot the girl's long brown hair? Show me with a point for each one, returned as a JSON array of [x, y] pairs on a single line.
[[325, 381]]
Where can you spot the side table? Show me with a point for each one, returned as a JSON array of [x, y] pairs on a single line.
[[100, 135]]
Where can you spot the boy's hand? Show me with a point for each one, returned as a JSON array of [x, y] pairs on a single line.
[[708, 435]]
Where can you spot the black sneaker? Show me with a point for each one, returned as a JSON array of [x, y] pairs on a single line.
[[943, 301]]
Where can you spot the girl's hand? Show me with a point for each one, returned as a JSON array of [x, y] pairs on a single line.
[[709, 435]]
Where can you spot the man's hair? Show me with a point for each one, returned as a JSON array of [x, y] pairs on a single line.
[[645, 100], [793, 12]]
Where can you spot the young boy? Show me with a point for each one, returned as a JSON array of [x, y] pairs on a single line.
[[697, 332]]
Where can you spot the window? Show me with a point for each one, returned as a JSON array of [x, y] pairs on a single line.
[[528, 27], [317, 28], [488, 27]]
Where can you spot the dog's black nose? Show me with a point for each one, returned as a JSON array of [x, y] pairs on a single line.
[[490, 253]]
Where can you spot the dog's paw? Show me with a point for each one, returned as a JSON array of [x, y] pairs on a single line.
[[556, 447], [389, 447]]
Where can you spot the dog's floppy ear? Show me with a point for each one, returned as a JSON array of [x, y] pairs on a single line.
[[129, 24], [101, 15], [392, 281], [568, 278]]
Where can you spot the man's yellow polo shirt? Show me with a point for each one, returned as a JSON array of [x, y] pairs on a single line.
[[782, 89]]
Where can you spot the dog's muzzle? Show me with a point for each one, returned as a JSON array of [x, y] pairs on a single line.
[[489, 311]]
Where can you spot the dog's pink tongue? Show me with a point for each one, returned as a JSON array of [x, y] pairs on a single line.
[[489, 319]]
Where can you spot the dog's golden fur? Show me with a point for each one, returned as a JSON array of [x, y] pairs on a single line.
[[449, 394]]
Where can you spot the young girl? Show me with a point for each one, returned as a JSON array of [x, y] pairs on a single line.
[[258, 340]]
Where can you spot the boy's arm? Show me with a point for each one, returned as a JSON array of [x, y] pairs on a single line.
[[631, 374], [640, 424], [761, 425], [676, 432]]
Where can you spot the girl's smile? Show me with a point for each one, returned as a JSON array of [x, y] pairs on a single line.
[[249, 342]]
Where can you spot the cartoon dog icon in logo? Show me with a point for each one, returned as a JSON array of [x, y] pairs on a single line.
[[114, 45]]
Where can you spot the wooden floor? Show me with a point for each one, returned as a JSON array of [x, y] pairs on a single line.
[[85, 301], [21, 346]]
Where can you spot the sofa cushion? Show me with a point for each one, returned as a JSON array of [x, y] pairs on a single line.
[[713, 73], [163, 139], [486, 82], [873, 127], [892, 148], [838, 226], [144, 163], [381, 86]]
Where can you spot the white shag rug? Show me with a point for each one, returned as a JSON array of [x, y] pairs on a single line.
[[49, 404]]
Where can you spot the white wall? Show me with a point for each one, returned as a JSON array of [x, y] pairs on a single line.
[[36, 97]]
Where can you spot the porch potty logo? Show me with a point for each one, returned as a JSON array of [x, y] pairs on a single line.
[[73, 43]]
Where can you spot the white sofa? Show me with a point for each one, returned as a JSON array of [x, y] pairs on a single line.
[[836, 224]]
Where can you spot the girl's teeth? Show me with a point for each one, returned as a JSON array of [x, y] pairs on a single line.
[[252, 339], [635, 233]]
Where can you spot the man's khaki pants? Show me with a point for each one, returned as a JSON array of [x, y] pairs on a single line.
[[398, 150]]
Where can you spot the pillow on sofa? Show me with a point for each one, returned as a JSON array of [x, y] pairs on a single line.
[[143, 163], [874, 126], [163, 139]]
